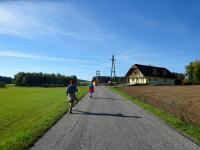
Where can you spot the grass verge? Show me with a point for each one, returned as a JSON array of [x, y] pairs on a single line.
[[185, 128], [27, 113]]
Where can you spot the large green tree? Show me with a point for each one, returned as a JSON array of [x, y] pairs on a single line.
[[196, 71], [193, 71]]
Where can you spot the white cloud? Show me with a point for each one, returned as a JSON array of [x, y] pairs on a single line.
[[40, 20], [17, 20]]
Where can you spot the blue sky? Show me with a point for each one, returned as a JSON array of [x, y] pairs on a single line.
[[78, 37]]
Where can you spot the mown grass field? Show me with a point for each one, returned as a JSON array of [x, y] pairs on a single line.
[[26, 113]]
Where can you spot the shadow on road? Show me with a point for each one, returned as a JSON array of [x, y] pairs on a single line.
[[104, 114]]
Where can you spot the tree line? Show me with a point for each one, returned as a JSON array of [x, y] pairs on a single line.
[[4, 81], [42, 79]]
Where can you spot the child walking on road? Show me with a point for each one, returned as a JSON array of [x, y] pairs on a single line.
[[71, 94], [91, 89]]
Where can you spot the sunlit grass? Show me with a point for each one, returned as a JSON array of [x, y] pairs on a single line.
[[26, 113]]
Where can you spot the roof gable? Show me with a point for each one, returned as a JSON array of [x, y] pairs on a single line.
[[152, 71]]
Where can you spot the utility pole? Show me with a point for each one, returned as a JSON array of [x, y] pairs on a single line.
[[113, 75], [97, 76]]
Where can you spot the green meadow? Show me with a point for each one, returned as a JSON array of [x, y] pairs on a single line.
[[26, 113]]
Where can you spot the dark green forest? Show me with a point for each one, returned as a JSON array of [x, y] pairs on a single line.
[[42, 79]]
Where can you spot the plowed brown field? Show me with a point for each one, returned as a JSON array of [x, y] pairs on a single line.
[[181, 101]]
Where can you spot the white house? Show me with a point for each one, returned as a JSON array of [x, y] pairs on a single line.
[[144, 74]]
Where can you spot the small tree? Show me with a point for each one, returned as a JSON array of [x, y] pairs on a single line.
[[189, 71], [196, 71]]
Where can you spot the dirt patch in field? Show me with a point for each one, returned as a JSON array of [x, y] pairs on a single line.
[[181, 101]]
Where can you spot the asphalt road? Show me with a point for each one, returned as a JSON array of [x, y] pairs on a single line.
[[108, 122]]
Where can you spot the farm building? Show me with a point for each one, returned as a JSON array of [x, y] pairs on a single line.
[[144, 74]]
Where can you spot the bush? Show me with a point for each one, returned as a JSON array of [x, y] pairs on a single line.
[[187, 82], [191, 82], [2, 85], [196, 82]]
